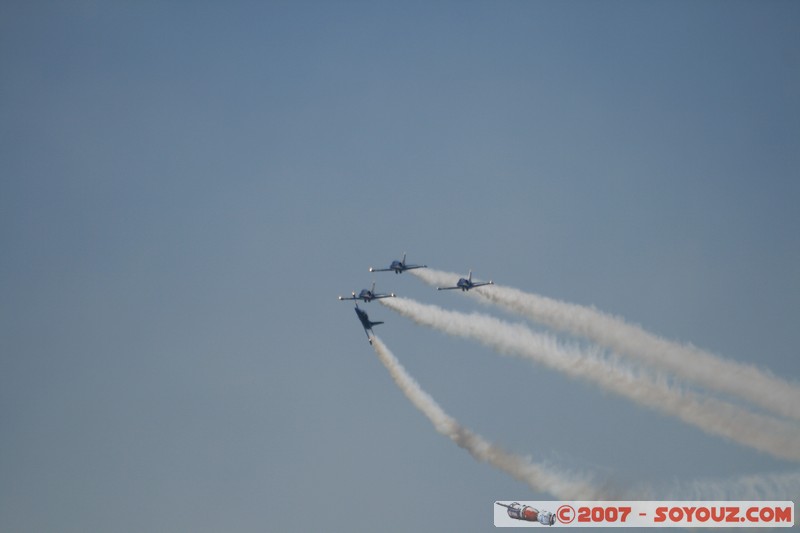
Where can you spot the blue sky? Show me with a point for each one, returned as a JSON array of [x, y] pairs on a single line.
[[187, 188]]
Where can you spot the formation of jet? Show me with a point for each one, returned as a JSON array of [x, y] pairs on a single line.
[[398, 266], [466, 284], [367, 295], [529, 514], [366, 322]]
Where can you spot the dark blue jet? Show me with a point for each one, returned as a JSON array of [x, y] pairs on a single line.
[[398, 266], [466, 284], [367, 295], [366, 322]]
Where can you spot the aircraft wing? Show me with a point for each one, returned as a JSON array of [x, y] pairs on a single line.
[[412, 267], [482, 284], [446, 288], [349, 297], [379, 296], [379, 269]]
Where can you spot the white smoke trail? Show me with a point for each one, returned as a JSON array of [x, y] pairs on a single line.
[[784, 486], [537, 476], [688, 362], [711, 415], [544, 479]]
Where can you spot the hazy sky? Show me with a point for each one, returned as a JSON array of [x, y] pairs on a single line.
[[186, 188]]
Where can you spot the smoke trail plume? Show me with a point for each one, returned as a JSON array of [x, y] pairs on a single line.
[[687, 362], [543, 479], [711, 415], [784, 486], [537, 476]]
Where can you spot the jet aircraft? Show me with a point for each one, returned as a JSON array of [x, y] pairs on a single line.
[[398, 266], [367, 295], [366, 322], [467, 284]]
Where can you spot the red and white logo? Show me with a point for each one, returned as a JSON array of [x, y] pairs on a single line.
[[684, 514]]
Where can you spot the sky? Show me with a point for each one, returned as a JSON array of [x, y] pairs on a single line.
[[187, 188]]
